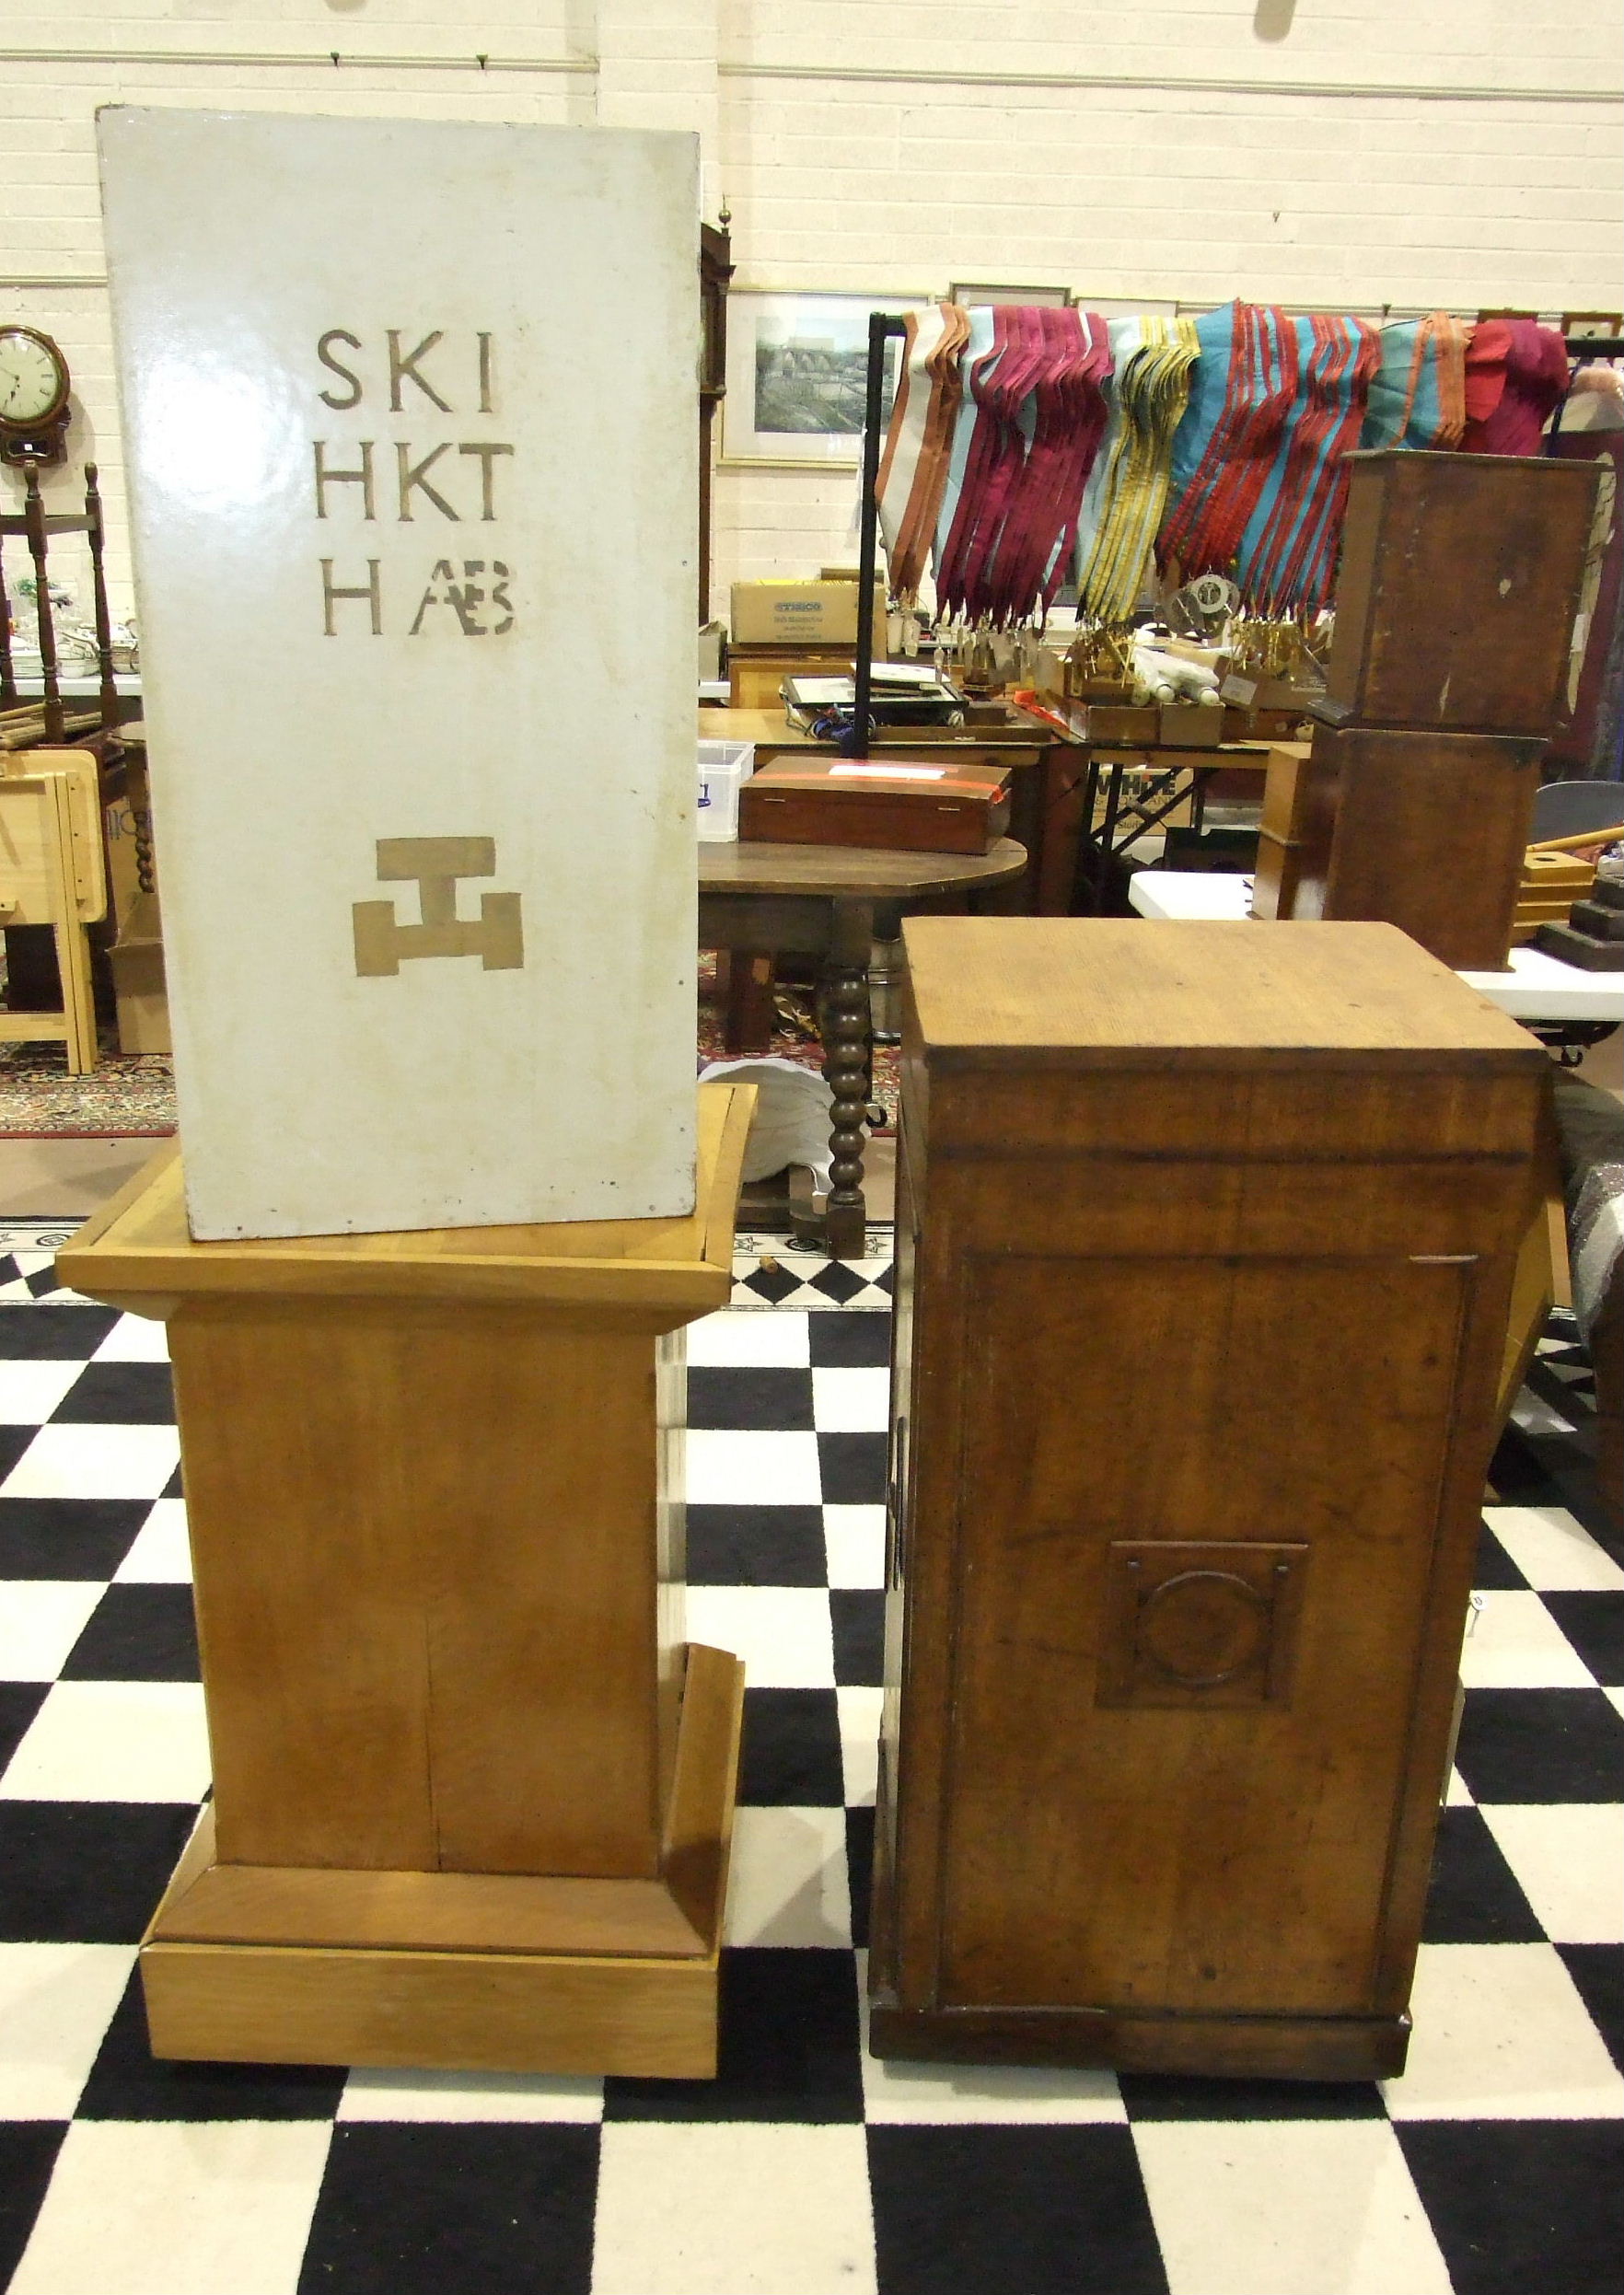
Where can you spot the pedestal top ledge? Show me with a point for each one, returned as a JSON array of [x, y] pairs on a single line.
[[138, 1252]]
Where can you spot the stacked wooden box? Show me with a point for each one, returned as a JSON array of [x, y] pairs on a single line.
[[1460, 582], [1551, 883]]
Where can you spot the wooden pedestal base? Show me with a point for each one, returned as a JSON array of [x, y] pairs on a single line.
[[473, 1790], [1246, 2047], [457, 1971]]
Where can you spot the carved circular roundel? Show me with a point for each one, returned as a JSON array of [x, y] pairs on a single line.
[[1203, 1626]]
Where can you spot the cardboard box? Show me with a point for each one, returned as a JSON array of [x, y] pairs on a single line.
[[802, 613], [137, 960]]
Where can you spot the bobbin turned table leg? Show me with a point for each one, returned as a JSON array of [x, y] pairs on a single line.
[[843, 1020]]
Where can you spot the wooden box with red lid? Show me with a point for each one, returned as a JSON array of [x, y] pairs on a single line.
[[894, 807]]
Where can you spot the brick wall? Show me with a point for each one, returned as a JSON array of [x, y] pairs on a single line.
[[1282, 149]]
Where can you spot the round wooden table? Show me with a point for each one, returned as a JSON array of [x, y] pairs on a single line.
[[832, 902]]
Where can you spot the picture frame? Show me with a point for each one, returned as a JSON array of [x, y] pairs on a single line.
[[1127, 306], [797, 367], [1040, 298]]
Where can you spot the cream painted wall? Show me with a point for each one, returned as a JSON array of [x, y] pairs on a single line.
[[1361, 153]]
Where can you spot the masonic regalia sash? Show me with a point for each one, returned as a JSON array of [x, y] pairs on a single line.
[[913, 472], [1154, 359]]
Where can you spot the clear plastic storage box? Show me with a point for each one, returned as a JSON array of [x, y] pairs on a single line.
[[723, 765]]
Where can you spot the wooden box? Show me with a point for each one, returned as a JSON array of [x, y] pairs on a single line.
[[756, 673], [924, 808], [1551, 883], [1109, 721], [1190, 725], [1205, 1244], [1426, 830], [1459, 583]]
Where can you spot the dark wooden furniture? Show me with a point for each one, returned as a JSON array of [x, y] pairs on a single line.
[[963, 809], [1042, 762], [715, 270], [1460, 577], [35, 525], [831, 903], [1425, 830], [1205, 1242]]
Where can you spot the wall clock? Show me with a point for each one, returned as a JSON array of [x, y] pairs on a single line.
[[33, 396]]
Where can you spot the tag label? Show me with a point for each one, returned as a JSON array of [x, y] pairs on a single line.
[[887, 773]]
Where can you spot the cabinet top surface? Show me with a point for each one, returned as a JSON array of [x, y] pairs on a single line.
[[1114, 991], [140, 1244], [854, 872]]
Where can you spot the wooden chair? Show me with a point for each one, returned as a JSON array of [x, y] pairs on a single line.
[[53, 872]]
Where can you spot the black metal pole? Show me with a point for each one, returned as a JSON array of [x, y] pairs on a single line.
[[881, 331]]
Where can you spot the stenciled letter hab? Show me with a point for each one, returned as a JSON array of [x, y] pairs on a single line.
[[432, 482]]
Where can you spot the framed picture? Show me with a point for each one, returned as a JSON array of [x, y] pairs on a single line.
[[1042, 298], [1127, 306], [797, 371]]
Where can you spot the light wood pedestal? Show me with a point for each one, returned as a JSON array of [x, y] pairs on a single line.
[[473, 1794]]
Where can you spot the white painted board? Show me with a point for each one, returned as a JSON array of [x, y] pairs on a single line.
[[408, 418]]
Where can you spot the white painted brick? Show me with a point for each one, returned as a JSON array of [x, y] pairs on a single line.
[[900, 187]]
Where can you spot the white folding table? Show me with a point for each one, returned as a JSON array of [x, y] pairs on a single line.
[[1534, 986]]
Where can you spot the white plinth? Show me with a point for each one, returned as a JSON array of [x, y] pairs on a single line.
[[409, 415], [1535, 987]]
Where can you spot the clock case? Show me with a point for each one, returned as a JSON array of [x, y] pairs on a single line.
[[38, 438]]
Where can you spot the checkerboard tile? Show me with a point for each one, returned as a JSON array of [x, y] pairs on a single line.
[[1494, 2165]]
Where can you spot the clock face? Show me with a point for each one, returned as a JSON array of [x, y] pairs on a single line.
[[33, 380]]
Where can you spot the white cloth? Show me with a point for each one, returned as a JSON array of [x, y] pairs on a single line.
[[792, 1119]]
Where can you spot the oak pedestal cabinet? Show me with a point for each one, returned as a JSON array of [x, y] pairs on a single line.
[[473, 1793], [1205, 1241], [1423, 830], [1461, 578]]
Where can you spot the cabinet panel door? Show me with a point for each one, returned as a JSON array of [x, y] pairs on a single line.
[[1191, 1577]]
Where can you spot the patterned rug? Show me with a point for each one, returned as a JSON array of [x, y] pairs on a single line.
[[122, 1098], [133, 1098]]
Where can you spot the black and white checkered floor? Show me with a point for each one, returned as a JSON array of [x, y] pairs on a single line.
[[1495, 2165]]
